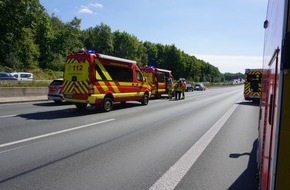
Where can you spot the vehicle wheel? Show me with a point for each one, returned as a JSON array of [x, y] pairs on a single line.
[[81, 106], [107, 104], [145, 99]]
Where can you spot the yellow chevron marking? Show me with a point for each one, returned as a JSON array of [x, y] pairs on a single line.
[[96, 91], [98, 77], [115, 87], [103, 85], [105, 72]]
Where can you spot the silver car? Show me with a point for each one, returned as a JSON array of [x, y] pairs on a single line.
[[199, 86]]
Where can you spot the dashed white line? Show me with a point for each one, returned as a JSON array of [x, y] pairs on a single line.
[[170, 179], [53, 133], [4, 116], [11, 149]]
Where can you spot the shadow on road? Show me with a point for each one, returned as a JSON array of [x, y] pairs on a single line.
[[249, 103], [51, 104], [72, 112], [247, 180]]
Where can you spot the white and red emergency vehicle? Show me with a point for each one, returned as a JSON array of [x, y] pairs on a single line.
[[274, 122], [97, 79], [158, 79]]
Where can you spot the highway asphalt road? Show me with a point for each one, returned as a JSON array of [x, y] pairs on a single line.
[[207, 141]]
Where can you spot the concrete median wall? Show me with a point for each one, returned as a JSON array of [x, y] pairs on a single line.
[[22, 91]]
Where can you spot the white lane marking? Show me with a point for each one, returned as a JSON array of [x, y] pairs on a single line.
[[4, 116], [54, 133], [176, 172], [11, 149]]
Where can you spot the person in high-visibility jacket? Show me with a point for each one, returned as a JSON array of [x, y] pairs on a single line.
[[169, 88], [178, 90], [183, 82]]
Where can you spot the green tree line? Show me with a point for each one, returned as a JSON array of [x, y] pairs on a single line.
[[32, 40]]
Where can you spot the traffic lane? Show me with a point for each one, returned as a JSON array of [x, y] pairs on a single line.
[[44, 121], [136, 155], [43, 117], [29, 107], [43, 106], [152, 116], [20, 120], [229, 162]]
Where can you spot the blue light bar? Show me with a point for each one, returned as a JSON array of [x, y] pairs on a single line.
[[91, 51]]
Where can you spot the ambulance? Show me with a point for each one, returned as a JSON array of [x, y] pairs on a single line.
[[101, 80], [158, 79]]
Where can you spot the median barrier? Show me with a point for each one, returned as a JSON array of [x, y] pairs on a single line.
[[22, 91]]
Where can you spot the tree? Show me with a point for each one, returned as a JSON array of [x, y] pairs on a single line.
[[31, 39], [72, 35], [151, 52], [103, 39], [44, 37], [17, 23], [126, 46]]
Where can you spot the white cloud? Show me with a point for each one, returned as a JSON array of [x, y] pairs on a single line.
[[232, 64], [85, 10], [88, 9], [96, 5]]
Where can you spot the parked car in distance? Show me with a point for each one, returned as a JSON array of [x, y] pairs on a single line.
[[55, 90], [189, 87], [199, 86], [6, 76], [23, 76]]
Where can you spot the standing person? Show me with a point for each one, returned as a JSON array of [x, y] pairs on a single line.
[[178, 90], [174, 88], [183, 88], [169, 88]]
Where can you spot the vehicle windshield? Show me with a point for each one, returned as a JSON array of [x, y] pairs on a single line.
[[56, 82]]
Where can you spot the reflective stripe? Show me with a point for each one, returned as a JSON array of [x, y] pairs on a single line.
[[105, 72]]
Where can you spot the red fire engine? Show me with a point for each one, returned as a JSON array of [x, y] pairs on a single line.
[[158, 79], [97, 79], [274, 122]]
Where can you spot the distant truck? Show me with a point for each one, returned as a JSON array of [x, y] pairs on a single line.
[[252, 84], [158, 79], [97, 79]]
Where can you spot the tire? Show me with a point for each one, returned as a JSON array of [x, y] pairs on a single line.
[[145, 99], [107, 104], [81, 106]]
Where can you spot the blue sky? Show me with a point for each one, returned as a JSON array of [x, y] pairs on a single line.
[[228, 34]]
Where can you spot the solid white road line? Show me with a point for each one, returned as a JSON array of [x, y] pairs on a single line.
[[53, 133], [174, 175]]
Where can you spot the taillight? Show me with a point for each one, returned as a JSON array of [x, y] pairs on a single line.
[[91, 89]]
